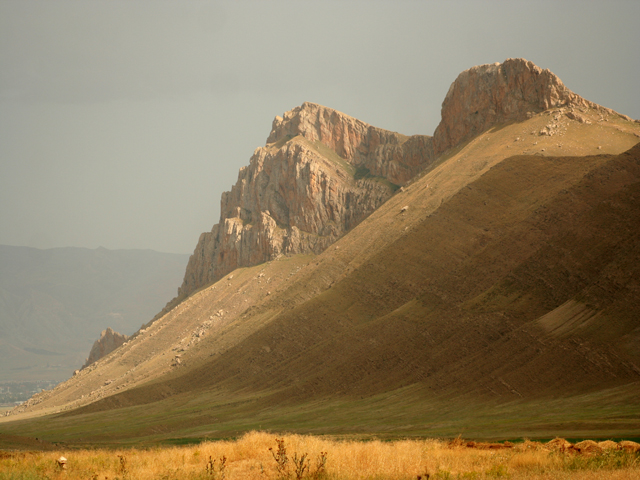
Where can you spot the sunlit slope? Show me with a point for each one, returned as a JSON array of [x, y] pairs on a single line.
[[202, 326]]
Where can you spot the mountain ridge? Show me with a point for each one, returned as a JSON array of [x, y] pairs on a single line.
[[299, 221], [489, 278], [320, 173]]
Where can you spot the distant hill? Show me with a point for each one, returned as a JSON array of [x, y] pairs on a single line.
[[54, 303]]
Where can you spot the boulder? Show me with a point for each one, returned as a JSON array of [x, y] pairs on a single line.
[[629, 446], [587, 447]]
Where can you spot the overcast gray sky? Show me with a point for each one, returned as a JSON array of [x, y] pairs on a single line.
[[121, 122]]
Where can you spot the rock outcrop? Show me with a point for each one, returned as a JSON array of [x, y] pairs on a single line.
[[487, 95], [107, 343], [386, 154], [319, 175]]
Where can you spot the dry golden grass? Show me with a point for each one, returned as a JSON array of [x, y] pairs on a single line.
[[250, 457]]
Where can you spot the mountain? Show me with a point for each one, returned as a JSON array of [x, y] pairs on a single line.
[[319, 175], [495, 293], [322, 172], [488, 95], [54, 303]]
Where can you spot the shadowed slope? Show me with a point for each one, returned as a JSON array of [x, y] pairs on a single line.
[[453, 304]]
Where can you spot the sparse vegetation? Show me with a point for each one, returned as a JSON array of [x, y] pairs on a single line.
[[331, 155], [211, 470], [301, 464], [361, 172], [122, 469], [281, 458], [254, 457]]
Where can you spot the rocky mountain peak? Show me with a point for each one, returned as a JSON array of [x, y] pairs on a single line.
[[485, 95], [313, 121], [322, 172], [319, 175], [340, 132], [358, 143]]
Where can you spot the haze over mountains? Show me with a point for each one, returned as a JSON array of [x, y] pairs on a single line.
[[54, 303], [364, 281]]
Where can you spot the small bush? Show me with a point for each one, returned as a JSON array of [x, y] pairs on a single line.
[[211, 468], [301, 464], [321, 466]]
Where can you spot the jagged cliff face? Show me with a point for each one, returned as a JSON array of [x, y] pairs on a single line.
[[109, 340], [320, 174], [387, 154], [486, 95]]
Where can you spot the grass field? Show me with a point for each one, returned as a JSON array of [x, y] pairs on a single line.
[[259, 455], [405, 413]]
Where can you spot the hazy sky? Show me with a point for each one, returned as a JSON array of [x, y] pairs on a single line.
[[121, 122]]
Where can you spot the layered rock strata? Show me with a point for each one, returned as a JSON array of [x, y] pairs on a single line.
[[396, 157], [319, 175]]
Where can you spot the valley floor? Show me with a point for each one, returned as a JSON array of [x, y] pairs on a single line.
[[260, 455]]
